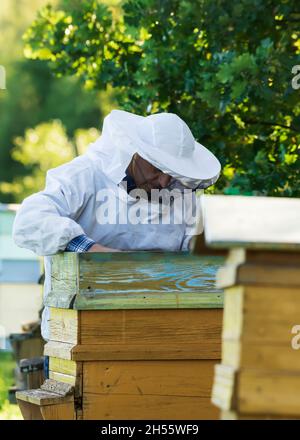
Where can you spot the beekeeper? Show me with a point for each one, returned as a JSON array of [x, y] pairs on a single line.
[[86, 203]]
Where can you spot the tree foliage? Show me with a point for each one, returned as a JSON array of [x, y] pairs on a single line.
[[33, 96], [41, 148], [224, 67]]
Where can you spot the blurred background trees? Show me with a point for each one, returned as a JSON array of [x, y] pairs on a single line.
[[35, 96], [224, 67]]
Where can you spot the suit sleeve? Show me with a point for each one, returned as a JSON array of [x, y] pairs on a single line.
[[46, 221]]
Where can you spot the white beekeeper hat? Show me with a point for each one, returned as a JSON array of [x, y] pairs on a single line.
[[166, 141]]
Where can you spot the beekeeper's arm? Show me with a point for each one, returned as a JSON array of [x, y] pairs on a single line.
[[46, 221]]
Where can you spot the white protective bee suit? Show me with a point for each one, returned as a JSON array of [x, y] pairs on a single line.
[[73, 203]]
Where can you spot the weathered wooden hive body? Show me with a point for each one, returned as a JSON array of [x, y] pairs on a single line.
[[134, 335], [259, 377]]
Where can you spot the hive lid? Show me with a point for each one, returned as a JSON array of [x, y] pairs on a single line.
[[266, 223]]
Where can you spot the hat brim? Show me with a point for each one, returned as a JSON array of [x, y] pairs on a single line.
[[202, 165]]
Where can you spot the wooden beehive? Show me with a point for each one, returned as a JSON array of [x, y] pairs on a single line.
[[259, 377], [135, 334]]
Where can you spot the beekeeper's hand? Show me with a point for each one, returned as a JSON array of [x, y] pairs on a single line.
[[98, 248]]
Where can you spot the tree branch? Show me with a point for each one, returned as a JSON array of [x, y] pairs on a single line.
[[270, 124]]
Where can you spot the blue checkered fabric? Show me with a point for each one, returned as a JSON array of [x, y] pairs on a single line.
[[82, 243]]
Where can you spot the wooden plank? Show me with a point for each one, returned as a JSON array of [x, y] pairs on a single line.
[[63, 366], [224, 387], [275, 333], [157, 378], [29, 410], [134, 280], [240, 255], [57, 387], [154, 280], [233, 415], [209, 349], [61, 350], [233, 315], [60, 377], [279, 301], [64, 280], [260, 355], [273, 257], [263, 274], [63, 411], [41, 397], [261, 313], [140, 407], [206, 350], [141, 300], [269, 392], [255, 391], [251, 222], [63, 325], [54, 400], [151, 326], [67, 371], [232, 353]]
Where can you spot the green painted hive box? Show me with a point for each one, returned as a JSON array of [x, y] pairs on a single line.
[[134, 335]]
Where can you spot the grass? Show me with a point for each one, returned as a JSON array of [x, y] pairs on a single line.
[[7, 365]]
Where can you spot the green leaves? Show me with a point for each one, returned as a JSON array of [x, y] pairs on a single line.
[[44, 147], [224, 67]]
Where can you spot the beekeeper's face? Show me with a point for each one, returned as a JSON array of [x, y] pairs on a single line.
[[147, 176]]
